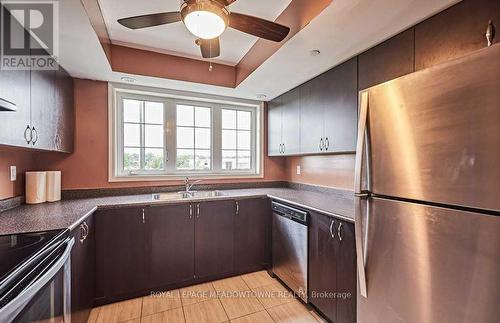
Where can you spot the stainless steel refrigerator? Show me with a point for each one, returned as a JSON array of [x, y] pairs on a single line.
[[428, 195]]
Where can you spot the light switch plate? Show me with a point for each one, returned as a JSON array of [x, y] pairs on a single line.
[[298, 169], [13, 173]]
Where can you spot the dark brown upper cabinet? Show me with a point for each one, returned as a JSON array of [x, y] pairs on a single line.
[[332, 268], [455, 32], [214, 238], [320, 116], [252, 234], [328, 111], [389, 60], [284, 124], [171, 234]]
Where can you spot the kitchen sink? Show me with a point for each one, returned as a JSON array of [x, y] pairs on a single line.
[[186, 195]]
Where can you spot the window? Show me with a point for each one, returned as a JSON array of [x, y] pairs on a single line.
[[155, 136]]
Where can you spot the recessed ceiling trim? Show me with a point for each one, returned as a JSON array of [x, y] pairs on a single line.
[[96, 19]]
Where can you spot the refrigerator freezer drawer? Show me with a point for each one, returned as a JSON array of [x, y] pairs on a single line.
[[428, 264]]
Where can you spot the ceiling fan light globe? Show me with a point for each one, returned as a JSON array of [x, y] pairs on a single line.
[[205, 24]]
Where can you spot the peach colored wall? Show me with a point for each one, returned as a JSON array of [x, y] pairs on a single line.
[[24, 161], [87, 167], [328, 170]]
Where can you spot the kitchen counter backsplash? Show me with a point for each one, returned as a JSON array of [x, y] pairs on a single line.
[[68, 213]]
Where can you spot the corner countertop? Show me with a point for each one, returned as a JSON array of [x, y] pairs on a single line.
[[69, 213]]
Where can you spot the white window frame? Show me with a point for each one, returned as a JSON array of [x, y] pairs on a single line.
[[170, 98]]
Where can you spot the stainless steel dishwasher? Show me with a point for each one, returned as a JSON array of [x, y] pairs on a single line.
[[290, 247]]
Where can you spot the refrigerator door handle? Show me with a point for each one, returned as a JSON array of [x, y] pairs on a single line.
[[362, 135], [360, 246]]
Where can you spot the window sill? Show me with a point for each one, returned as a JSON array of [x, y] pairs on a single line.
[[182, 176]]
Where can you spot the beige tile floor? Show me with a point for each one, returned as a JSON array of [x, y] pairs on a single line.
[[255, 298]]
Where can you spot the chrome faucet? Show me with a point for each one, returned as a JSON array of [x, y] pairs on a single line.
[[190, 185]]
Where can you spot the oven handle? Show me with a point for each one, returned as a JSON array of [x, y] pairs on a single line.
[[10, 311]]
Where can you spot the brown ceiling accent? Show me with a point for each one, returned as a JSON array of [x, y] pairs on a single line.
[[297, 15], [148, 63], [97, 21]]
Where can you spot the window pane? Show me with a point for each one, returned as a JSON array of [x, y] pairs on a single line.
[[153, 136], [185, 137], [131, 159], [131, 110], [153, 159], [228, 159], [185, 115], [203, 117], [244, 139], [228, 139], [153, 112], [244, 120], [131, 135], [202, 138], [228, 119], [202, 160], [185, 159], [243, 159]]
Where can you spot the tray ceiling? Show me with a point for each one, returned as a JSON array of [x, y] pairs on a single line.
[[175, 38]]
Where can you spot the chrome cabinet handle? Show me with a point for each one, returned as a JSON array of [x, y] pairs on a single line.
[[331, 230], [339, 231], [198, 210], [34, 136], [280, 149], [27, 132], [190, 211], [237, 208], [86, 226], [284, 148], [327, 143], [82, 234], [321, 144], [143, 217]]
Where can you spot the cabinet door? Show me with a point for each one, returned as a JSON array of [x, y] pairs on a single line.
[[171, 233], [15, 88], [121, 253], [323, 253], [83, 271], [43, 109], [274, 127], [311, 116], [346, 273], [393, 58], [340, 101], [252, 235], [434, 44], [214, 238], [290, 136], [65, 113]]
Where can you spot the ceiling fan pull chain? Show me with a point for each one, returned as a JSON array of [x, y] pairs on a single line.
[[210, 68]]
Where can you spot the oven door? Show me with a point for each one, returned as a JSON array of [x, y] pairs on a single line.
[[44, 293]]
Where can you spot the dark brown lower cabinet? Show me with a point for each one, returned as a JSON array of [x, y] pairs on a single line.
[[332, 268], [214, 238], [82, 271], [121, 252], [252, 235], [171, 233]]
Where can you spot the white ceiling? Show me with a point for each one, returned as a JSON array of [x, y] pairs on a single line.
[[341, 31], [175, 38]]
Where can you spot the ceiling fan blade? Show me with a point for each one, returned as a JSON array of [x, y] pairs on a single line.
[[151, 20], [210, 48], [226, 2], [258, 27]]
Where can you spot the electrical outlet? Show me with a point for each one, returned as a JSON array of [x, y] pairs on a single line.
[[13, 173], [298, 169]]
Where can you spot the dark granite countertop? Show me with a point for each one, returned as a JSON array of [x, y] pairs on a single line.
[[69, 213]]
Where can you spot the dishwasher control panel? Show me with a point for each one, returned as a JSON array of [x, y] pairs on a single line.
[[290, 212]]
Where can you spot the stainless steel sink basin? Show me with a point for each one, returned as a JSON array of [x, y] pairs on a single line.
[[186, 195]]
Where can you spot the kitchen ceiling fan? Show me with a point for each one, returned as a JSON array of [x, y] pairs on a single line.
[[207, 20]]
